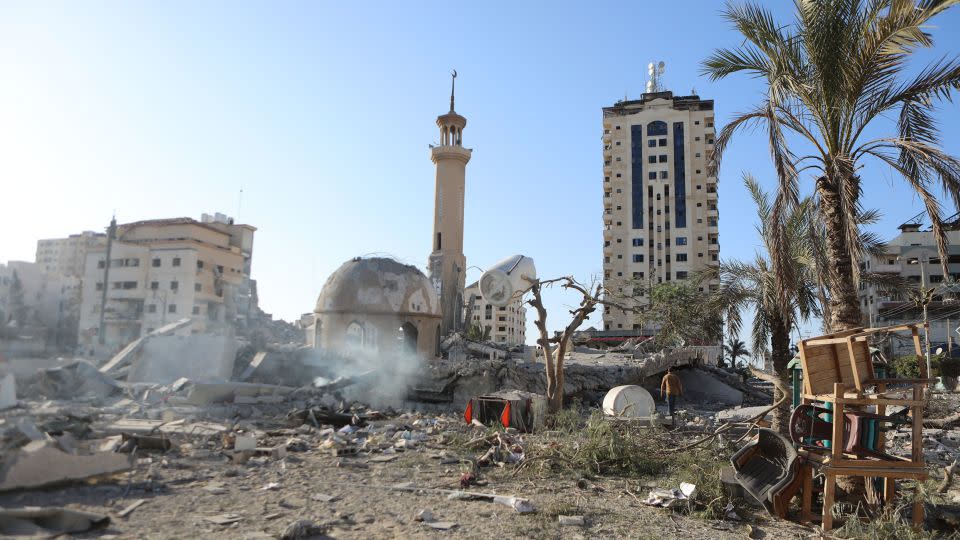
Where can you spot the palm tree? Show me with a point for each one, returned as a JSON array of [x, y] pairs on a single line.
[[735, 348], [831, 76], [756, 285]]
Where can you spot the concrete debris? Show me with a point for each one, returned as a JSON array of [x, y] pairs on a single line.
[[8, 391], [136, 426], [199, 357], [125, 356], [40, 463], [75, 379], [49, 522], [235, 392], [700, 386], [254, 364], [224, 519], [440, 525], [577, 521], [302, 528]]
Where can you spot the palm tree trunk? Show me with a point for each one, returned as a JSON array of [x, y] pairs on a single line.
[[844, 305], [780, 355]]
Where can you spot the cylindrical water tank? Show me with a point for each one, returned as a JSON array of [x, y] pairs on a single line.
[[505, 281], [629, 401]]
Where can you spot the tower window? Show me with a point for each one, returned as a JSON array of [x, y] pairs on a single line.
[[439, 244]]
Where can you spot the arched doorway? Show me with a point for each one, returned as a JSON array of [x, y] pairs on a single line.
[[407, 337]]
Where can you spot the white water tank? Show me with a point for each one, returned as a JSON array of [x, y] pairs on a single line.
[[629, 401], [505, 281]]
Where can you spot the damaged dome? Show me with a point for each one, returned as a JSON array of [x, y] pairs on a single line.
[[378, 285]]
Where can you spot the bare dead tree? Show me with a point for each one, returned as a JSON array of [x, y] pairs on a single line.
[[554, 357]]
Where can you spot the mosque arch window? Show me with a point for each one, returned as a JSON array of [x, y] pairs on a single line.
[[354, 336]]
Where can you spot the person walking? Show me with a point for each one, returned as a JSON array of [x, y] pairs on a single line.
[[671, 389]]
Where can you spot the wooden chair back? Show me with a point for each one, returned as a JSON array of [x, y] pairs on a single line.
[[833, 358]]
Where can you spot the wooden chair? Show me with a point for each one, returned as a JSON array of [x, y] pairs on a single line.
[[838, 372]]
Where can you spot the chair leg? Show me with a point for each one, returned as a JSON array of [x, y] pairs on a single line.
[[829, 492], [807, 495], [918, 513], [889, 491]]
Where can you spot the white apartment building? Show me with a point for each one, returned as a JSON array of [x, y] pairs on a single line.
[[913, 255], [507, 325], [660, 217], [164, 270], [67, 256]]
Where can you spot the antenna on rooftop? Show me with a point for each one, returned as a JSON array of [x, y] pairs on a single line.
[[239, 204], [655, 71]]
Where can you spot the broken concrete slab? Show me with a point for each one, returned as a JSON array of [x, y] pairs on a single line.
[[8, 391], [40, 464], [199, 357], [741, 414], [699, 386], [254, 364], [229, 392], [126, 354], [48, 522], [137, 426], [75, 379]]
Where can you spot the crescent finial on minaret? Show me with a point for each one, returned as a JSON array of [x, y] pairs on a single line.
[[453, 84]]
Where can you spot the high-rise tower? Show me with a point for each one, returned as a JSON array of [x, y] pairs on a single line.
[[447, 263], [660, 218]]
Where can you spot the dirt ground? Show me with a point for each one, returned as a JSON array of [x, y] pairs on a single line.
[[350, 497]]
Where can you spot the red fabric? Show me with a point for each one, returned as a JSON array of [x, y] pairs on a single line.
[[505, 415], [468, 414]]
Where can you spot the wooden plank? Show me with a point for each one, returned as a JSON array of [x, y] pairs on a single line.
[[854, 367], [885, 472], [855, 462], [836, 442], [836, 363], [920, 357], [807, 495], [827, 341], [829, 492], [900, 381], [868, 399], [889, 491], [898, 328], [882, 411], [917, 412], [805, 367]]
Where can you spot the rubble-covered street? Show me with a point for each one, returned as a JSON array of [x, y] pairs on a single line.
[[253, 460]]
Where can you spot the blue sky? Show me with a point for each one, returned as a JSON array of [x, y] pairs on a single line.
[[321, 113]]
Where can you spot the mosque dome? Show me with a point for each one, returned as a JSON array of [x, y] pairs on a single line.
[[378, 285]]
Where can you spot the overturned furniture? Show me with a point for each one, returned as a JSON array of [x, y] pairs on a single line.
[[838, 376], [525, 411], [768, 469]]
